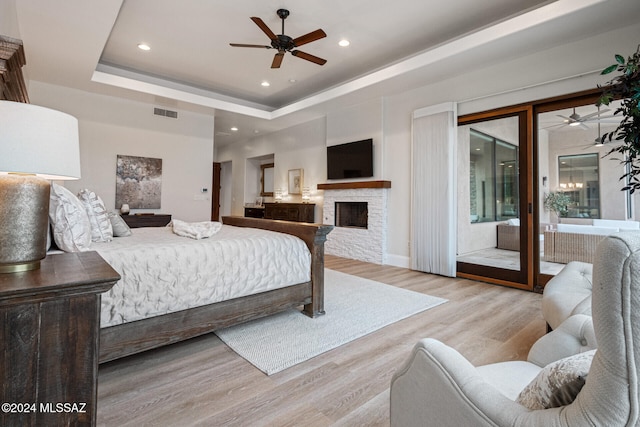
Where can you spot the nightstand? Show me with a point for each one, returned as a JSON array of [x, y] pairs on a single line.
[[50, 333], [146, 220]]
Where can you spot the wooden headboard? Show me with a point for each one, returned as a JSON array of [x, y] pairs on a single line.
[[12, 59]]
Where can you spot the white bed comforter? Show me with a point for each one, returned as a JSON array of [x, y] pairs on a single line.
[[163, 272]]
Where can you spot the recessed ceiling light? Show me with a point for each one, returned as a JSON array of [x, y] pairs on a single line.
[[144, 46], [235, 129], [344, 43], [265, 84], [292, 80]]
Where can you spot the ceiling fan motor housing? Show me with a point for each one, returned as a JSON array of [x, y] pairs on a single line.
[[283, 13], [283, 43]]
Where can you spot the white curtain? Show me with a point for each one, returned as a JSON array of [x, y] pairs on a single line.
[[433, 190]]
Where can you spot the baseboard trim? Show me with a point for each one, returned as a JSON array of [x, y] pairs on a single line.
[[398, 261]]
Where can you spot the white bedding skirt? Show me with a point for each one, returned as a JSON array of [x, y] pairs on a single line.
[[164, 273]]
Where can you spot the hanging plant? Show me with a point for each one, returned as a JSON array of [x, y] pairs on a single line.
[[625, 87]]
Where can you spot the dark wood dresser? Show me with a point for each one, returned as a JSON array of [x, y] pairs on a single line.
[[50, 330], [299, 212], [147, 220], [253, 212]]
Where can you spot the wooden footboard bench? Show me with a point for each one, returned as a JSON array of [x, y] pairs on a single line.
[[134, 337]]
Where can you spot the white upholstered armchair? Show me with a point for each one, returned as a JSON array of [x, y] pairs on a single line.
[[439, 387]]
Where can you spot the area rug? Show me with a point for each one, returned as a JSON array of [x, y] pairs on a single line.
[[354, 307]]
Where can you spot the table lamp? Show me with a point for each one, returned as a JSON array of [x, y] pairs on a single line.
[[37, 144]]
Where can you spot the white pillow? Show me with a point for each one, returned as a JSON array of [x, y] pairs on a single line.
[[558, 383], [101, 230], [69, 221], [120, 227]]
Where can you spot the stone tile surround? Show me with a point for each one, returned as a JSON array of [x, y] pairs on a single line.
[[369, 244]]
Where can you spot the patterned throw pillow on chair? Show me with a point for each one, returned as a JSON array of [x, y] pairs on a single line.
[[558, 383]]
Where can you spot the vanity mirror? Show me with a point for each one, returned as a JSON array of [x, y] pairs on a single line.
[[266, 180]]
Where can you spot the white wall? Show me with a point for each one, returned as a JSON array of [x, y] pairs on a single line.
[[362, 121], [110, 126], [9, 19], [298, 147]]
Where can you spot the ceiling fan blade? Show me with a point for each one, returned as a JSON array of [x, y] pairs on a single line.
[[277, 60], [554, 126], [308, 57], [597, 113], [566, 119], [310, 37], [260, 23], [250, 45]]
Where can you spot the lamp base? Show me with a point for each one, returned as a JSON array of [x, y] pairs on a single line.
[[17, 268], [24, 222]]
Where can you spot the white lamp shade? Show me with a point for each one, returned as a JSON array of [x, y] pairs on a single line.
[[40, 141]]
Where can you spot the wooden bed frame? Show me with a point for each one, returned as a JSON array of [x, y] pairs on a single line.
[[134, 337]]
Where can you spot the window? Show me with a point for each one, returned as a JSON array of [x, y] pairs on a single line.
[[493, 178], [579, 178]]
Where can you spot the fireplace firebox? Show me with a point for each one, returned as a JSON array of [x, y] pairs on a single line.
[[351, 214]]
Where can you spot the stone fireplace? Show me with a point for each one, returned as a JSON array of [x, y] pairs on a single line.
[[352, 214], [358, 210]]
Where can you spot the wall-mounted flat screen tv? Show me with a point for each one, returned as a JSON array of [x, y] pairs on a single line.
[[351, 160]]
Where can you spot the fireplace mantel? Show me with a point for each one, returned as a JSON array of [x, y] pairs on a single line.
[[354, 185]]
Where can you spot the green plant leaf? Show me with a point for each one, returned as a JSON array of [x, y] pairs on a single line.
[[626, 87]]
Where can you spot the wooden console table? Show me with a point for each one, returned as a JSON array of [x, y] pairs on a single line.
[[50, 335], [253, 212], [298, 212]]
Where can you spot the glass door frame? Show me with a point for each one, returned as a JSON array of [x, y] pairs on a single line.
[[579, 99], [523, 278]]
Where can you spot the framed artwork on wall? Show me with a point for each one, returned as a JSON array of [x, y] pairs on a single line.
[[295, 181], [138, 182]]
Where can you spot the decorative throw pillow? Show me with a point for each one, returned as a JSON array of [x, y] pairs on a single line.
[[69, 220], [558, 383], [120, 228], [101, 230]]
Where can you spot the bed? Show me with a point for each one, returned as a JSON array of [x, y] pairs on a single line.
[[129, 326]]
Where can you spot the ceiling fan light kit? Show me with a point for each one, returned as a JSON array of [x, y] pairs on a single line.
[[283, 43]]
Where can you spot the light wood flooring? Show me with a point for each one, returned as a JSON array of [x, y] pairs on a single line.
[[203, 382]]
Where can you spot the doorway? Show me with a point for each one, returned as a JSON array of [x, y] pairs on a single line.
[[568, 189], [494, 197], [221, 198], [579, 191]]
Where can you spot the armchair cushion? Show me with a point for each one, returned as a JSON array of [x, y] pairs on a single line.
[[574, 335], [509, 378], [568, 293], [558, 383]]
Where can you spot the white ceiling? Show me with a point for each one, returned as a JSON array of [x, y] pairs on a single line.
[[92, 45]]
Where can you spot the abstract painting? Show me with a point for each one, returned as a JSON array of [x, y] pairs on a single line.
[[138, 182]]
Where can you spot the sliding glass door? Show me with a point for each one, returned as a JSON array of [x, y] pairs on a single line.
[[579, 190], [537, 189], [494, 196]]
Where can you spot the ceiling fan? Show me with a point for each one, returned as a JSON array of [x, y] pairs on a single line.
[[283, 43], [576, 119]]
